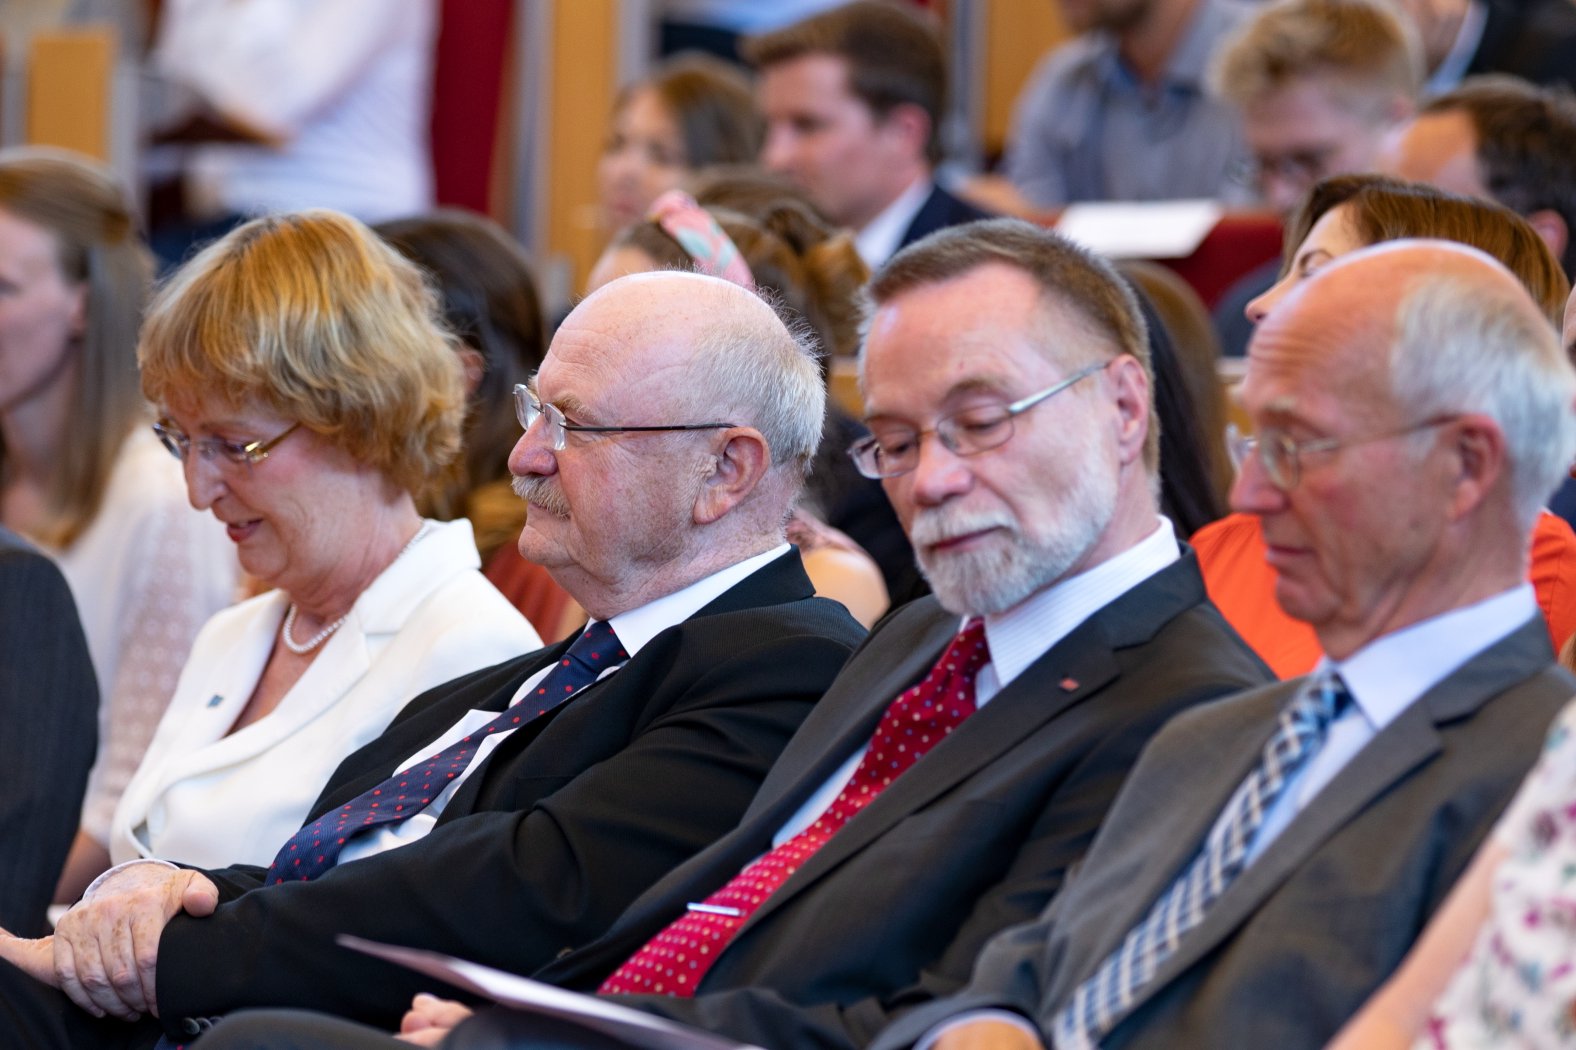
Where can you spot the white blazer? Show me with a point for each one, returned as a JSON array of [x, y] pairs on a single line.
[[207, 798]]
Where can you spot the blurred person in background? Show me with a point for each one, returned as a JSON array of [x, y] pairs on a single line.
[[489, 301], [687, 113], [278, 105], [1319, 84], [853, 100], [1120, 111], [80, 473]]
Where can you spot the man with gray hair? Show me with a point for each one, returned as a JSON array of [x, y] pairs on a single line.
[[521, 808], [1273, 856]]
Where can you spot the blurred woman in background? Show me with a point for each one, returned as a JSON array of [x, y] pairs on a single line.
[[489, 301], [80, 473], [689, 112]]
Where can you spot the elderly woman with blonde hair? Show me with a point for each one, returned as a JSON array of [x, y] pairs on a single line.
[[308, 391]]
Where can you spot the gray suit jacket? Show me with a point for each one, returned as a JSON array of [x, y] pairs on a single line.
[[1298, 942], [893, 911]]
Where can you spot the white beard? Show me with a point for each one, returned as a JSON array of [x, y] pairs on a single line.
[[1011, 566]]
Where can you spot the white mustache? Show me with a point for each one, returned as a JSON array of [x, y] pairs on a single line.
[[933, 527], [538, 492]]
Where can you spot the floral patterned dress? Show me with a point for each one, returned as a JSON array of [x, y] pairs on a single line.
[[1517, 988]]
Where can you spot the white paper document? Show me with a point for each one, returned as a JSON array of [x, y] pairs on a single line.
[[522, 993], [1141, 229]]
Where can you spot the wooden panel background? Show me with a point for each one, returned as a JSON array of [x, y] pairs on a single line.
[[1018, 33], [584, 80], [69, 77]]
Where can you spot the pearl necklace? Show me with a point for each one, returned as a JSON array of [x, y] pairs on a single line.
[[302, 648]]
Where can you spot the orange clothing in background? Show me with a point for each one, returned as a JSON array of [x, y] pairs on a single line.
[[1241, 583]]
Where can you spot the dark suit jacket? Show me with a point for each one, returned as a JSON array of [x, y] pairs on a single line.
[[940, 210], [978, 836], [48, 730], [568, 821], [1299, 941], [1531, 39]]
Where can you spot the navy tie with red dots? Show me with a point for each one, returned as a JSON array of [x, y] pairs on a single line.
[[315, 848], [676, 960]]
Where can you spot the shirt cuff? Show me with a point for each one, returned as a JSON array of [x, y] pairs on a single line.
[[122, 866], [1018, 1021]]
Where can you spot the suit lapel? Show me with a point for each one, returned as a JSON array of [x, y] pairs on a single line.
[[830, 735], [1406, 744], [490, 689], [1210, 751], [1072, 671], [780, 580], [930, 217]]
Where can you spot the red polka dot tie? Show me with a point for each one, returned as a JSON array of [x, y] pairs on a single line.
[[676, 960], [315, 848]]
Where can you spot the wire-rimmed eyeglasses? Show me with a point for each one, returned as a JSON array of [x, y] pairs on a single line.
[[894, 450], [241, 453], [1281, 457], [556, 428]]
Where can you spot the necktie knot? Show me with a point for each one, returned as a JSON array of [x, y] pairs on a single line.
[[971, 645], [963, 659], [597, 649], [1329, 698]]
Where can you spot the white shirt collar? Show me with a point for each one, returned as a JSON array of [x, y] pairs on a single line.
[[878, 241], [1023, 634], [1390, 673], [638, 626]]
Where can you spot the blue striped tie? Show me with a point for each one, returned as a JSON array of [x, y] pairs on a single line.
[[1103, 999], [316, 847]]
